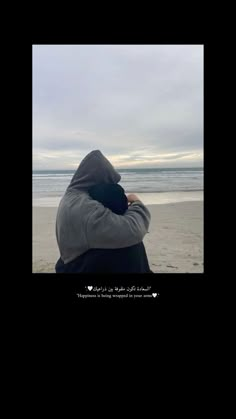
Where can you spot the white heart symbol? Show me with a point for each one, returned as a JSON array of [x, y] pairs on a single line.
[[154, 294], [90, 288]]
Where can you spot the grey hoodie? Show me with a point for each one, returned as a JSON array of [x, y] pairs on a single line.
[[83, 223]]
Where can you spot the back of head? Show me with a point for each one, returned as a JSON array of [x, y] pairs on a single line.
[[94, 169], [111, 196]]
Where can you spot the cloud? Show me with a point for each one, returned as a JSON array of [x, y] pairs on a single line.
[[121, 99]]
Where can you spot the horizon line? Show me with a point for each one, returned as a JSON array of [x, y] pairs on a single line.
[[127, 168]]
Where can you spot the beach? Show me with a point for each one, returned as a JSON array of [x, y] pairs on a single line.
[[128, 116], [174, 243]]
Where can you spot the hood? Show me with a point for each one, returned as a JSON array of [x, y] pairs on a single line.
[[94, 169]]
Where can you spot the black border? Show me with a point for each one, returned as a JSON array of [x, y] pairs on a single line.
[[175, 290]]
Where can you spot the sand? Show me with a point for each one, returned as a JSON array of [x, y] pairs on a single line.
[[174, 243]]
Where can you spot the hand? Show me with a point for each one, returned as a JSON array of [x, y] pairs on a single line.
[[132, 197]]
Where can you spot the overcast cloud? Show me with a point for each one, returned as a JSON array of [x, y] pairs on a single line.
[[141, 105]]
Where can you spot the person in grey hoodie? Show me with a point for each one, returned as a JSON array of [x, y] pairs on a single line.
[[83, 223]]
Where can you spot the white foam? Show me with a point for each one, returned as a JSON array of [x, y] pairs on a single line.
[[146, 198]]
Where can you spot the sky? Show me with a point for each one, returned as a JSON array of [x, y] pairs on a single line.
[[140, 105]]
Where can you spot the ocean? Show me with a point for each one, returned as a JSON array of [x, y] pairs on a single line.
[[50, 185]]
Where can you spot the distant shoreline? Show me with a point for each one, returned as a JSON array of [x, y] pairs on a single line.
[[148, 198]]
